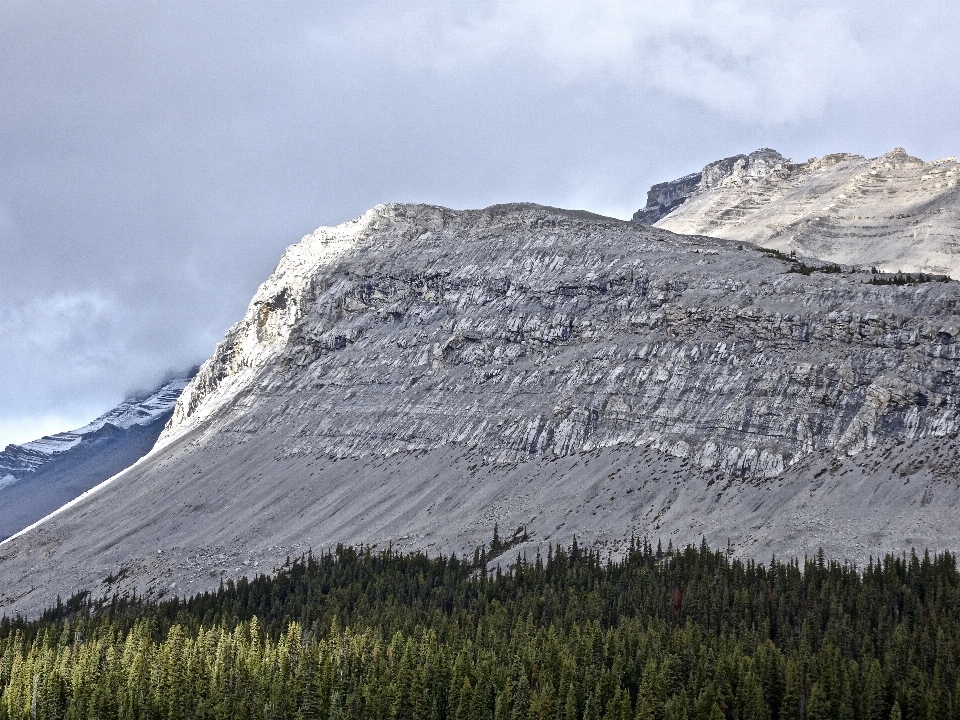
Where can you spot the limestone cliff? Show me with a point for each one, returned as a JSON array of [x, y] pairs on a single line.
[[894, 212], [664, 198], [521, 331], [420, 373]]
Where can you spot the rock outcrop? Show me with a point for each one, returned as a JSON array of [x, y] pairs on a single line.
[[420, 373], [523, 331], [894, 212], [664, 198]]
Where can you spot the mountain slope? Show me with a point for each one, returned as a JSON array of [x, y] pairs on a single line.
[[418, 374], [664, 198], [38, 477], [894, 212]]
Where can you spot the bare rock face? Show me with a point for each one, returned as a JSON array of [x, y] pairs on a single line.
[[420, 373], [894, 212], [664, 198], [520, 331], [741, 168]]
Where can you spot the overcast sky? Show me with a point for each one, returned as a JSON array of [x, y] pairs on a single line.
[[156, 158]]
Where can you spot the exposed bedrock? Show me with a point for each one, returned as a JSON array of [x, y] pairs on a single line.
[[420, 373], [523, 331], [895, 212], [664, 198]]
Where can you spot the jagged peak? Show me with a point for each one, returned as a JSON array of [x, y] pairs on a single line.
[[663, 198], [899, 158], [741, 168]]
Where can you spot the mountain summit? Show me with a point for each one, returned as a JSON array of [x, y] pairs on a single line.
[[894, 212], [419, 374], [664, 198]]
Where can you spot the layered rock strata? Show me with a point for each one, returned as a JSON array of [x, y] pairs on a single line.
[[420, 373], [894, 212], [664, 198], [522, 331]]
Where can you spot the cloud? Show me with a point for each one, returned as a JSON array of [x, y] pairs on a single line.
[[747, 60], [56, 351], [62, 320]]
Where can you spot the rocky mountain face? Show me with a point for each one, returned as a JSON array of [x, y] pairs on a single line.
[[894, 212], [664, 198], [38, 477], [418, 374]]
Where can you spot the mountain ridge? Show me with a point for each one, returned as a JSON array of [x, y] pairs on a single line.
[[39, 476], [664, 198], [419, 374], [894, 212]]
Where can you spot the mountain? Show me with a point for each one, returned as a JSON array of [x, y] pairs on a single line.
[[420, 374], [664, 198], [38, 477], [894, 212]]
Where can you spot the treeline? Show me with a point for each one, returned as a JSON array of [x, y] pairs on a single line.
[[798, 266], [362, 634], [902, 278], [877, 277]]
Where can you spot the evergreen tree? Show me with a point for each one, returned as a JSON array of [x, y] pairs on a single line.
[[357, 634], [818, 704]]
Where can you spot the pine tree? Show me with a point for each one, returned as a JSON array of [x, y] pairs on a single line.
[[464, 709], [570, 710], [794, 700], [409, 701], [676, 708], [521, 697], [619, 707], [818, 704], [873, 700], [543, 702]]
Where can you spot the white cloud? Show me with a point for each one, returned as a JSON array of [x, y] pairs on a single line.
[[744, 59], [55, 350], [63, 319], [70, 356]]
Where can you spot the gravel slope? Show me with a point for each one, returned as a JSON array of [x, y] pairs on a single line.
[[418, 374]]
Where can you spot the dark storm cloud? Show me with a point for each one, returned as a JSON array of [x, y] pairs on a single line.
[[156, 158]]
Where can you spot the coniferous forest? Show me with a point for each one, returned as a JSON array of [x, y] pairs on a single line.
[[361, 634]]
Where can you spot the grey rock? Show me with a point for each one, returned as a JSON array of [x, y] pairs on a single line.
[[418, 374], [895, 212], [741, 168], [664, 198]]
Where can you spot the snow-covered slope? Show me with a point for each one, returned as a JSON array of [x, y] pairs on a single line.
[[894, 212], [39, 476], [419, 374]]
